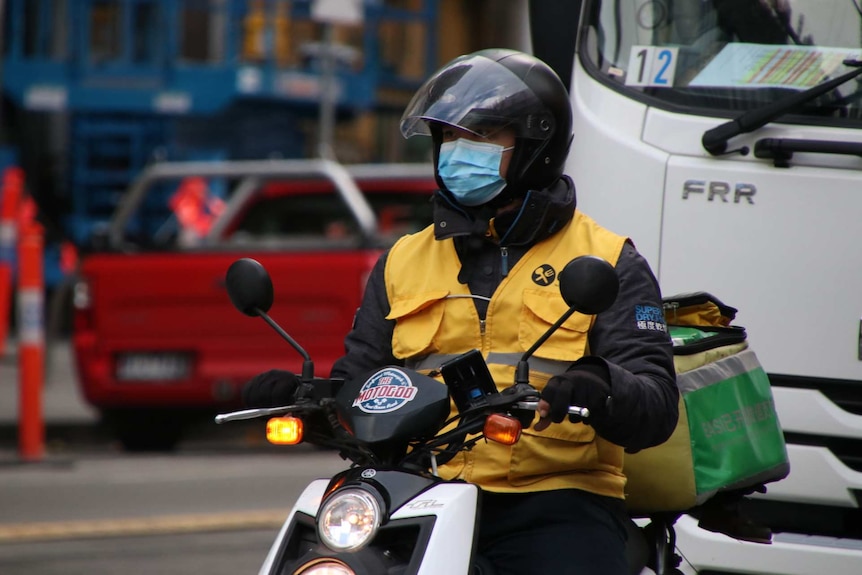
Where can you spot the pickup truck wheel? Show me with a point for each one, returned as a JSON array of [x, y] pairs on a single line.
[[145, 429]]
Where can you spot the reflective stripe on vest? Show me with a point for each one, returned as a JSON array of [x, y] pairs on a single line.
[[546, 366]]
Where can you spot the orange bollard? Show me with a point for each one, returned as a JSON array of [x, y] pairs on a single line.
[[5, 303], [31, 338], [11, 188]]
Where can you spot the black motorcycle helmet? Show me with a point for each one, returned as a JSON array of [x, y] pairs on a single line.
[[505, 88]]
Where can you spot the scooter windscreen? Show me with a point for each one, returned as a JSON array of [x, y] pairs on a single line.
[[393, 404]]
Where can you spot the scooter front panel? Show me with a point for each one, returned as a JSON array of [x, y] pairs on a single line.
[[450, 547], [308, 503]]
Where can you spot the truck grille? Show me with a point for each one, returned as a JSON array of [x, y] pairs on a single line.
[[844, 393], [847, 450]]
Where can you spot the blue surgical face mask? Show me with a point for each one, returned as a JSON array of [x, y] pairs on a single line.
[[471, 170]]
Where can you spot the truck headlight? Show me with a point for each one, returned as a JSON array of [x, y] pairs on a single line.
[[348, 520]]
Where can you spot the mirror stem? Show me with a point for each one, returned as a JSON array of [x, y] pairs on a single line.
[[546, 335], [522, 372], [307, 370], [307, 365]]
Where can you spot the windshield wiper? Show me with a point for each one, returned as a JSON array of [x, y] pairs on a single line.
[[715, 139]]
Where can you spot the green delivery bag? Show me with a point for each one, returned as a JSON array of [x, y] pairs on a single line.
[[728, 436]]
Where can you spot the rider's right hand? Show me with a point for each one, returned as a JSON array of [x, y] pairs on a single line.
[[272, 388], [587, 383]]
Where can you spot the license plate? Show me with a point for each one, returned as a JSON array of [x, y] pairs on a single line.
[[153, 366]]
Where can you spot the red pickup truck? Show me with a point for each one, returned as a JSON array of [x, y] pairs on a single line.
[[156, 340]]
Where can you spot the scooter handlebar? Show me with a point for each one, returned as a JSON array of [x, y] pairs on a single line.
[[533, 405], [258, 412]]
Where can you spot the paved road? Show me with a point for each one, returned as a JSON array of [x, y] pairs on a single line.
[[214, 506], [117, 487], [204, 509], [210, 553]]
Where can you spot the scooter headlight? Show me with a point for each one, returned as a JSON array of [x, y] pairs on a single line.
[[348, 520]]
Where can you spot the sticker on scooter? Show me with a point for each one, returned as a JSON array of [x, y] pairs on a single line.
[[386, 391], [425, 504]]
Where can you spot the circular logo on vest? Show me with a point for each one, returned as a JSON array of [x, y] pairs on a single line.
[[544, 275], [387, 390]]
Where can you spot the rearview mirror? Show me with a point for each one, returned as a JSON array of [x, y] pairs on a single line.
[[589, 284], [249, 287]]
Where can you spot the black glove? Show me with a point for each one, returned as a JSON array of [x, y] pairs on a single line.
[[271, 388], [585, 384]]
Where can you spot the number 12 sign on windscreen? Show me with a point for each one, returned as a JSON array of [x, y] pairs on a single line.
[[651, 66]]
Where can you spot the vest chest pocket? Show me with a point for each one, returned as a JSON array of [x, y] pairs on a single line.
[[540, 311], [562, 448], [417, 322]]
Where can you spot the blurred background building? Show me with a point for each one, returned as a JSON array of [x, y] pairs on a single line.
[[94, 90]]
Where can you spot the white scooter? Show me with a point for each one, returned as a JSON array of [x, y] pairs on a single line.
[[390, 513]]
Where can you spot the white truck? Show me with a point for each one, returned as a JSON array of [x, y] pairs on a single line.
[[724, 137]]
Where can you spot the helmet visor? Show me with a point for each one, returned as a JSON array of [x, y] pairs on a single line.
[[477, 94]]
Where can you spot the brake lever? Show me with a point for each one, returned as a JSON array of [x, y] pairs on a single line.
[[302, 406], [255, 413]]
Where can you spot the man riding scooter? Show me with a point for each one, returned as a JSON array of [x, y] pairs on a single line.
[[505, 223]]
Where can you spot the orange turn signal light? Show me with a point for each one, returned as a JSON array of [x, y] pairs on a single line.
[[284, 430], [502, 429]]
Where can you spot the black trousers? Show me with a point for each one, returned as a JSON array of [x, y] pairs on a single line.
[[553, 532]]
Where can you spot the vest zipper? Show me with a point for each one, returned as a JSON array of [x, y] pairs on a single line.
[[482, 327], [504, 254]]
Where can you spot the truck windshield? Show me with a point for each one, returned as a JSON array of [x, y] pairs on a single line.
[[723, 57]]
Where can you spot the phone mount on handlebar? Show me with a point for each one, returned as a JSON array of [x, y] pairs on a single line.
[[468, 380]]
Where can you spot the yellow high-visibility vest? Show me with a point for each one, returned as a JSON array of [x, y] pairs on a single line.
[[436, 319]]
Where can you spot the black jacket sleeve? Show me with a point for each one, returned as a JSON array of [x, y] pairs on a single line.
[[632, 338], [368, 345]]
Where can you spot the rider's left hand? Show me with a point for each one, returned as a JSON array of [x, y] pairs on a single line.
[[271, 388]]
